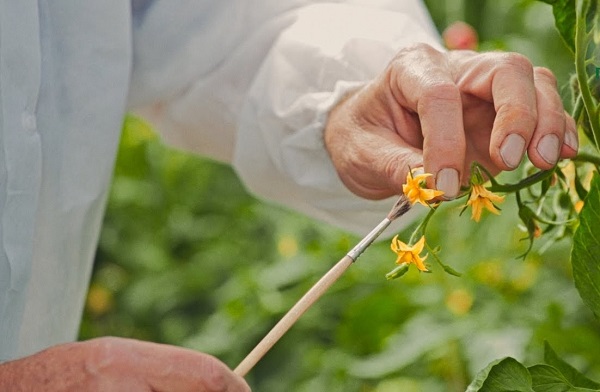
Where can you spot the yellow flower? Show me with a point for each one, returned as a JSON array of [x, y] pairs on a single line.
[[482, 198], [409, 254], [415, 192]]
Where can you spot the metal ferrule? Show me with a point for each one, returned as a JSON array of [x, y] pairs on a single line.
[[368, 240]]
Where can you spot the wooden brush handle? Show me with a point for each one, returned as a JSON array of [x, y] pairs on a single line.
[[293, 315]]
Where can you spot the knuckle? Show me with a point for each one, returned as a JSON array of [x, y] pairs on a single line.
[[417, 49], [553, 122], [518, 110], [449, 143], [438, 92], [545, 73], [442, 90], [105, 353], [516, 61], [404, 60], [556, 116]]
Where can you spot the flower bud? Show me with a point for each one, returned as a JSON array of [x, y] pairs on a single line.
[[397, 272]]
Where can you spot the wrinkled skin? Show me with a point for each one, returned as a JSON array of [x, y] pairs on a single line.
[[442, 111], [119, 365]]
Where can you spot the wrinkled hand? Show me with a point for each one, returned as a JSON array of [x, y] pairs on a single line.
[[113, 364], [442, 111]]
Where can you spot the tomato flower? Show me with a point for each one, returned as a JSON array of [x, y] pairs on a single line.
[[415, 191], [481, 198], [408, 254]]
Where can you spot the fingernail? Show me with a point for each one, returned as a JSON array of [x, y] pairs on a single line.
[[571, 140], [549, 148], [448, 182], [512, 150]]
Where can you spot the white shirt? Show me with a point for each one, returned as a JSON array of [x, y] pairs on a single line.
[[245, 82]]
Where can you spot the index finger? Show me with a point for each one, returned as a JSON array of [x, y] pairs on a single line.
[[424, 84]]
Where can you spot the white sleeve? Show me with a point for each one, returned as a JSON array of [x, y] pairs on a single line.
[[253, 84]]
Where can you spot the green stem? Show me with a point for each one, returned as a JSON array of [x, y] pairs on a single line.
[[445, 267], [524, 183], [422, 226], [477, 168], [578, 108], [585, 157], [580, 68], [518, 198], [589, 62]]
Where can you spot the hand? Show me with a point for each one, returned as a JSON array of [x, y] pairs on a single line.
[[442, 111], [114, 364]]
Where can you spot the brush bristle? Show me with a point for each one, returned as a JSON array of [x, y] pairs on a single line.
[[400, 208]]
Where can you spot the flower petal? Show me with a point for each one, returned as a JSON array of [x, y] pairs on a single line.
[[481, 198], [419, 262], [418, 246]]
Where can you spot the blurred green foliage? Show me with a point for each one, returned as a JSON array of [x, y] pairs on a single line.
[[188, 257]]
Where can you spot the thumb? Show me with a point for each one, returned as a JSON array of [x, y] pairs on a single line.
[[371, 164], [370, 158]]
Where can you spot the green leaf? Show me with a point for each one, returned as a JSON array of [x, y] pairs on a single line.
[[409, 344], [503, 375], [585, 254], [548, 379], [564, 18], [596, 28], [572, 375]]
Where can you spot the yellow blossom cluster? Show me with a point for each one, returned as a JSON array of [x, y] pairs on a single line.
[[416, 191]]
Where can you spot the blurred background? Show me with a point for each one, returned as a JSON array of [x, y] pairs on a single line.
[[188, 257]]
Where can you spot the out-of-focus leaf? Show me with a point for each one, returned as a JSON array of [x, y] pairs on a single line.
[[564, 15], [597, 28], [569, 372], [503, 375], [419, 336], [586, 248]]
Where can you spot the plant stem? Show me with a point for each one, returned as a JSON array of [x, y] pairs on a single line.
[[422, 226], [580, 68], [524, 183], [585, 157]]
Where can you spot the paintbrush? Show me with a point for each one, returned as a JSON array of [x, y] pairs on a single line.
[[318, 289]]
